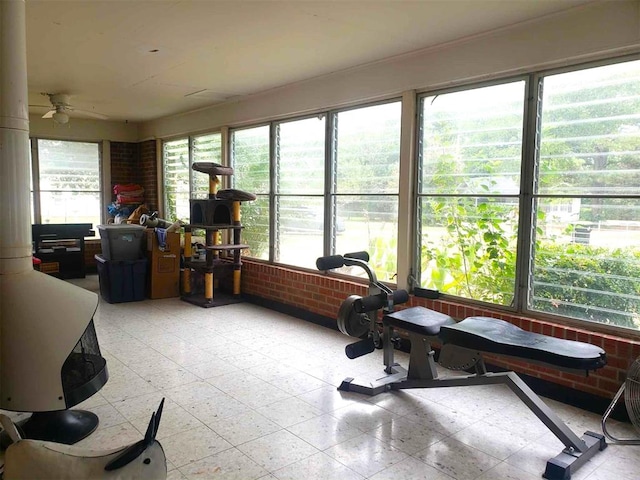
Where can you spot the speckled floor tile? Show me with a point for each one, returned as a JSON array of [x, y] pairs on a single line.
[[457, 459], [193, 445], [316, 467], [277, 450], [365, 454], [230, 464], [324, 431]]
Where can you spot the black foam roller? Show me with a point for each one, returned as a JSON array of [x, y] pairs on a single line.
[[360, 348], [375, 302], [330, 262]]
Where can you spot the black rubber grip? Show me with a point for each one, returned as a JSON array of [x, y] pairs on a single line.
[[375, 302], [359, 255], [360, 348], [330, 262]]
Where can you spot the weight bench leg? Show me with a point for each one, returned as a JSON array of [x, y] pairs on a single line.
[[577, 450], [422, 366]]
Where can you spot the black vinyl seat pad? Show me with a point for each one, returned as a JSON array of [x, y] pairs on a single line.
[[418, 320], [492, 335]]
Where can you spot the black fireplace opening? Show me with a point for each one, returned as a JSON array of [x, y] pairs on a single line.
[[84, 372]]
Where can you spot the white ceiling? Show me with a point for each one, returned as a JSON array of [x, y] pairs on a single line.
[[138, 60]]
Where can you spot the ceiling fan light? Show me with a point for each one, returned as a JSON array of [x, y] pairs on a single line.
[[61, 118]]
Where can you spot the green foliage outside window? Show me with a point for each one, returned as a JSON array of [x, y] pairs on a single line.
[[589, 283]]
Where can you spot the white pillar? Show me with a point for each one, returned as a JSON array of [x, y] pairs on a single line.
[[41, 317], [15, 220]]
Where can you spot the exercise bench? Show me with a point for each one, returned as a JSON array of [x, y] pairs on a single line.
[[462, 346]]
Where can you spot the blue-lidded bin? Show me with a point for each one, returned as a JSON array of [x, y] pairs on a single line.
[[122, 281]]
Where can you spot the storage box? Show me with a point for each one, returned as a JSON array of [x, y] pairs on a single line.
[[122, 281], [121, 241], [50, 267], [164, 265]]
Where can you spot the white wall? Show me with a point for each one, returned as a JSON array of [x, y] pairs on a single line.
[[83, 130], [598, 30]]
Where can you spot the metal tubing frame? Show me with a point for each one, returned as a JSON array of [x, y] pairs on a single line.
[[577, 451], [422, 373], [605, 417]]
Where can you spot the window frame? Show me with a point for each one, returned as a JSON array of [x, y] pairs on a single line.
[[35, 176], [329, 195], [527, 196], [522, 196], [190, 151]]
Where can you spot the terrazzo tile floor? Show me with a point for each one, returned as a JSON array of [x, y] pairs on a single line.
[[251, 394]]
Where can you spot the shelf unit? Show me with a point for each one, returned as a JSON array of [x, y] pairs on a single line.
[[60, 247]]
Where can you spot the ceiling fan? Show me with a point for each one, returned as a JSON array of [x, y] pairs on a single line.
[[61, 109]]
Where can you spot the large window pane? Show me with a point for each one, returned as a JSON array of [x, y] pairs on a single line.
[[204, 148], [587, 256], [250, 162], [70, 207], [367, 163], [468, 246], [300, 157], [176, 179], [299, 160], [69, 182], [469, 186], [300, 228]]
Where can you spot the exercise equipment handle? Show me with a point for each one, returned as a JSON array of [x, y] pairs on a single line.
[[375, 302], [330, 262], [364, 256]]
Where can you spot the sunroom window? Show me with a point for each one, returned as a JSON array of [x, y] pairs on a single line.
[[364, 199], [250, 161], [68, 182], [586, 245], [181, 182], [470, 156], [176, 165], [299, 191]]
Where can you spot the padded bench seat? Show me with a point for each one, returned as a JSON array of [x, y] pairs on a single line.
[[492, 335], [418, 320]]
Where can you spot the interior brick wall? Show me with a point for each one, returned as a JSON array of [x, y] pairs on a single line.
[[147, 173], [322, 294], [124, 163], [136, 163], [91, 248]]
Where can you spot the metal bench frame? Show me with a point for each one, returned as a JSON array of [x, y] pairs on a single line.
[[422, 373]]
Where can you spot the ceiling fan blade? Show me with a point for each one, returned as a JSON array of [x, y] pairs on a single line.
[[49, 114], [88, 113]]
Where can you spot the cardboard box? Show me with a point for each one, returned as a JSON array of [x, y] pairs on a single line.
[[164, 264]]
